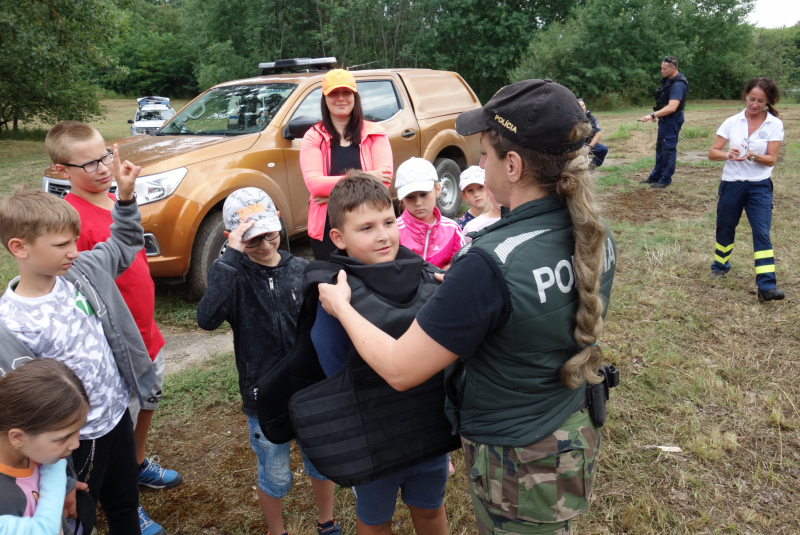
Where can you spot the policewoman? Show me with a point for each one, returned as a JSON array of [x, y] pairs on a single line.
[[518, 317], [670, 102], [754, 138]]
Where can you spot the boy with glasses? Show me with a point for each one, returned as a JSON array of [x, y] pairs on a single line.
[[256, 288], [670, 101], [80, 155]]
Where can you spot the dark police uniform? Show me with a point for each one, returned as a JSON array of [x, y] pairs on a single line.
[[599, 151], [669, 127]]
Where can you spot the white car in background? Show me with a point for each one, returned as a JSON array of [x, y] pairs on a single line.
[[153, 112]]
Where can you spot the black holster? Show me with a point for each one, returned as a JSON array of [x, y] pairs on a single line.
[[598, 393]]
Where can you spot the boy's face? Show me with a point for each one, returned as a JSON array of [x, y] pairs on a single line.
[[369, 235], [263, 249], [420, 204], [475, 195], [48, 255], [98, 180]]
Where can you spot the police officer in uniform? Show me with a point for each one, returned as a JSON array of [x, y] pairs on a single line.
[[670, 101], [597, 150], [515, 330]]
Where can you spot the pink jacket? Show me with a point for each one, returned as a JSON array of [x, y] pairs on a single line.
[[436, 243], [315, 161]]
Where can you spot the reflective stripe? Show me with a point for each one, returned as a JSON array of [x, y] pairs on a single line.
[[724, 249], [765, 269], [720, 259], [763, 254]]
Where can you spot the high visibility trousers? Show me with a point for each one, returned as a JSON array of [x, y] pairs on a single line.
[[755, 198]]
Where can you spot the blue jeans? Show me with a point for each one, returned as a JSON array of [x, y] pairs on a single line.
[[755, 198], [667, 148], [274, 474], [598, 154]]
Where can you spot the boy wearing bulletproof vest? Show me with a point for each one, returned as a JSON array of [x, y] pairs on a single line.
[[255, 287], [364, 229]]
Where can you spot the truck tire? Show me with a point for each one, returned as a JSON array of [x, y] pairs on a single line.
[[209, 244], [449, 200]]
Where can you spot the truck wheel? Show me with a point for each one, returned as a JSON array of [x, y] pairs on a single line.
[[449, 201], [209, 244]]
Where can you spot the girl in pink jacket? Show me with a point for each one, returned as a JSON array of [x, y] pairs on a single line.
[[422, 228], [342, 141]]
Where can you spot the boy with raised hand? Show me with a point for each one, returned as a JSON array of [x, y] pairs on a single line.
[[65, 305], [256, 288], [73, 141], [365, 231]]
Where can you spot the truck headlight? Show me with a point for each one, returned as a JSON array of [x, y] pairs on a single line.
[[153, 188]]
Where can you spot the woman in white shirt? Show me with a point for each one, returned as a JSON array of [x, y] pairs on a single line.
[[754, 137]]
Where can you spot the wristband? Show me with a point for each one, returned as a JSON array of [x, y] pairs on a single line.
[[127, 203]]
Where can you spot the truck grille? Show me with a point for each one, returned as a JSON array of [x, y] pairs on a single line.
[[61, 191]]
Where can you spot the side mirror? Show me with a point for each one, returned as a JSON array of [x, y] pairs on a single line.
[[130, 121], [298, 127]]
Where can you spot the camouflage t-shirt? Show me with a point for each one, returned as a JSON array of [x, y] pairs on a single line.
[[62, 325]]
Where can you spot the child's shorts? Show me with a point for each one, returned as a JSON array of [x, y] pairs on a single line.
[[153, 399], [274, 473], [421, 485]]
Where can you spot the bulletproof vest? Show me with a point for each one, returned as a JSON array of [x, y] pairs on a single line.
[[353, 426], [508, 392], [662, 93]]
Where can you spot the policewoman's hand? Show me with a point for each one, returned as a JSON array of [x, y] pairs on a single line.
[[333, 296], [646, 118]]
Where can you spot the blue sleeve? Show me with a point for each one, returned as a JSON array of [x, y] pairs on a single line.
[[331, 342], [677, 91], [46, 520]]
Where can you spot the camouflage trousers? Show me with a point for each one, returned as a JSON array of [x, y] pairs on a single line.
[[537, 488]]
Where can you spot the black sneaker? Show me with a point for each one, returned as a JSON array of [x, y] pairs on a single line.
[[658, 185], [646, 181], [771, 295]]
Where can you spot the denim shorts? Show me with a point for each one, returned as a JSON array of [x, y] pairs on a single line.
[[274, 473], [421, 485]]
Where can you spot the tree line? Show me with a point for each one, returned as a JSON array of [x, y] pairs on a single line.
[[54, 54]]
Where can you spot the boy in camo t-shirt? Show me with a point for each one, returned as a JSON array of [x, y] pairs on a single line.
[[66, 306]]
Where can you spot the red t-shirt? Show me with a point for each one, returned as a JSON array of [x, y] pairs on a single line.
[[135, 284]]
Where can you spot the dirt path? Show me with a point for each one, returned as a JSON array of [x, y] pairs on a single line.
[[185, 349]]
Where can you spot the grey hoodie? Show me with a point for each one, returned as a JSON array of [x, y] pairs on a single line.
[[94, 273]]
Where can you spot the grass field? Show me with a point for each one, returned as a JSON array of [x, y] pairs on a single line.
[[704, 366]]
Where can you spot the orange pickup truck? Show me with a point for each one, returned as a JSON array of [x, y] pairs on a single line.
[[248, 133]]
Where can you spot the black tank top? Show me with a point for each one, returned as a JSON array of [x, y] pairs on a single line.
[[345, 158]]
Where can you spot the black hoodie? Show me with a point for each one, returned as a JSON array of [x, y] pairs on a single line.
[[261, 304]]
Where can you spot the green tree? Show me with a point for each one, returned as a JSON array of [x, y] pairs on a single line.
[[47, 51], [610, 50]]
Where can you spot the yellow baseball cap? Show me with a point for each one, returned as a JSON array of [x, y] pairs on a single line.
[[338, 78]]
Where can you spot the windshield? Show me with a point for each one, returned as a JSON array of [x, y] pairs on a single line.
[[230, 110], [154, 115]]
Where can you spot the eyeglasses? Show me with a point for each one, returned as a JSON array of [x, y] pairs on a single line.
[[91, 166], [252, 243], [667, 60]]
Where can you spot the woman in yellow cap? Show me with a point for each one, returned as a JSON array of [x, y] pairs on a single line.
[[342, 141]]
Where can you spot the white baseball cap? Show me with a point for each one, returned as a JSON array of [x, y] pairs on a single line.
[[255, 203], [415, 174], [472, 175]]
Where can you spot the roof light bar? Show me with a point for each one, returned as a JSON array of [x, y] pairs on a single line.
[[296, 64]]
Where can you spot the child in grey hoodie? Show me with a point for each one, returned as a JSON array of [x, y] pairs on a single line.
[[66, 306]]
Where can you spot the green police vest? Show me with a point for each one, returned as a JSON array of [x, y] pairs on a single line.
[[509, 390]]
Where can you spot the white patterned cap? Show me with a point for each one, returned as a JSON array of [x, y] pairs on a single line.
[[472, 175], [415, 174], [255, 203]]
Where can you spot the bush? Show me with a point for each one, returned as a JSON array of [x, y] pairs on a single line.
[[24, 134]]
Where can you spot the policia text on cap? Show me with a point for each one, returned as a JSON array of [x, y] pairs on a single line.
[[670, 101]]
